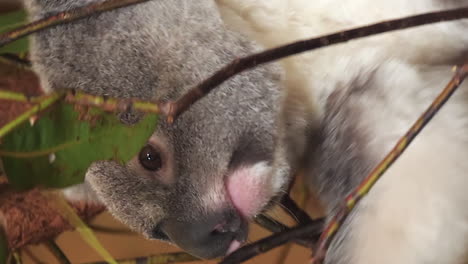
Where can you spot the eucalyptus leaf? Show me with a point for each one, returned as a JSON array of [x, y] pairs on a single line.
[[58, 149], [9, 21]]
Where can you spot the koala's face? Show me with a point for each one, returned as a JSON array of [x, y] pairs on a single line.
[[198, 181]]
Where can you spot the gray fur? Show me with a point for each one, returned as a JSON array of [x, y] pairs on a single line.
[[158, 50], [368, 97]]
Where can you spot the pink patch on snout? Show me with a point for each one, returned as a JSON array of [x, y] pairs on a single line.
[[249, 188]]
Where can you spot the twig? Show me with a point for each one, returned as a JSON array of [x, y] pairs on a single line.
[[57, 252], [15, 60], [111, 104], [177, 257], [352, 199], [290, 206], [249, 251], [17, 97], [62, 18], [270, 224], [173, 109], [274, 226], [80, 98], [42, 104], [17, 258]]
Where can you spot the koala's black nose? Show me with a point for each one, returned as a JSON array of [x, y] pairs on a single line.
[[208, 236]]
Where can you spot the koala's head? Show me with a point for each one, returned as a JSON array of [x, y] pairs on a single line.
[[199, 180]]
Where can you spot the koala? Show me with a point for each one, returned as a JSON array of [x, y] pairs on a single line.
[[366, 94], [334, 112], [197, 181]]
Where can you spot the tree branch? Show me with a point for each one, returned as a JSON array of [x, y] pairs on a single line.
[[42, 104], [57, 252], [295, 211], [361, 191], [249, 251], [173, 109], [64, 17], [112, 104]]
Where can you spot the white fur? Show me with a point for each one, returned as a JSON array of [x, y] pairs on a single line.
[[418, 212], [81, 192]]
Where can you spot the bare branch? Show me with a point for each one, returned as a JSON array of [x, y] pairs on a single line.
[[112, 104], [57, 252], [63, 17], [296, 212], [42, 104], [173, 109], [352, 199], [249, 251]]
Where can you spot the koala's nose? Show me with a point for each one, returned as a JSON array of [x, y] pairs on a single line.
[[208, 236]]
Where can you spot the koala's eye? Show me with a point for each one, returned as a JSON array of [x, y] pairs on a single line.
[[150, 159]]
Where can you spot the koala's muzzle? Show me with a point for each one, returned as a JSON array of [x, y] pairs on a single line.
[[209, 236]]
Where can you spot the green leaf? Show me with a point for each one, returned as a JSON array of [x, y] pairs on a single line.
[[9, 21], [59, 148], [3, 247]]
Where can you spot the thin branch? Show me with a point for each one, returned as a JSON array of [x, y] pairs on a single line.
[[274, 226], [270, 224], [111, 104], [62, 18], [173, 109], [105, 103], [249, 251], [15, 60], [13, 96], [352, 199], [14, 258], [177, 257], [57, 252], [290, 207], [44, 103]]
